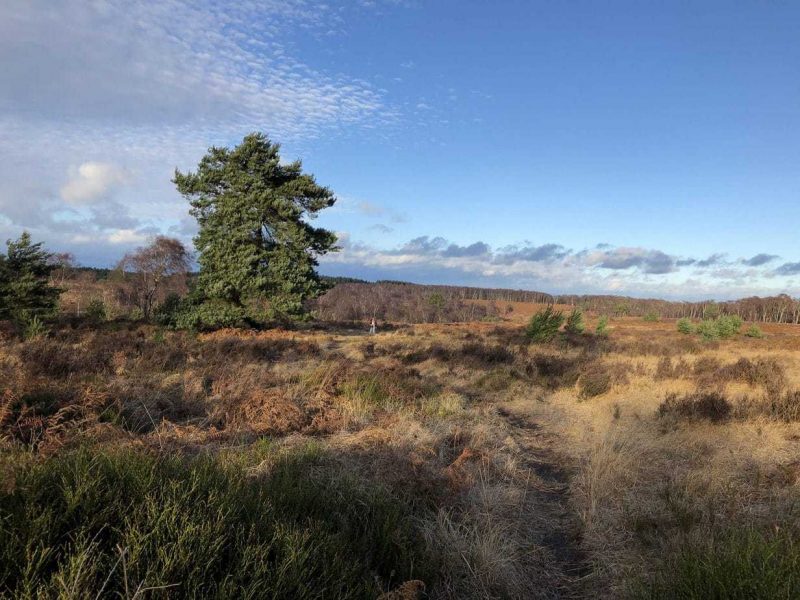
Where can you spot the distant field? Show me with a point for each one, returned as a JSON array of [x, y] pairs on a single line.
[[458, 458]]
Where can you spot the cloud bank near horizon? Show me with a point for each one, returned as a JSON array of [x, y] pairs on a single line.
[[553, 268]]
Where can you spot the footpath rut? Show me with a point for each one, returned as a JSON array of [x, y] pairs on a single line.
[[561, 535]]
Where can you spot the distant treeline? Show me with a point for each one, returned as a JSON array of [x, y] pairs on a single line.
[[351, 299], [399, 302], [354, 300], [771, 309]]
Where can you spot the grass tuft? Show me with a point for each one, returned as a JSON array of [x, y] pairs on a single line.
[[115, 523], [739, 565]]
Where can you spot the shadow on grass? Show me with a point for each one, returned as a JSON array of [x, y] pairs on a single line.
[[107, 523]]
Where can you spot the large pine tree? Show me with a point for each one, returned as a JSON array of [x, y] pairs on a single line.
[[255, 240]]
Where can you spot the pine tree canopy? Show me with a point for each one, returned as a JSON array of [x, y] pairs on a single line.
[[254, 238], [25, 290]]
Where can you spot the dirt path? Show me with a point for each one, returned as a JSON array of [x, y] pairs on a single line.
[[560, 532]]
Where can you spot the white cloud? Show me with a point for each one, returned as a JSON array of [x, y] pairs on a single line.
[[94, 86], [127, 237], [370, 209], [175, 63], [92, 181]]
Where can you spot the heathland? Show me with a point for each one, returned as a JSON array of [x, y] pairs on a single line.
[[457, 460], [234, 431]]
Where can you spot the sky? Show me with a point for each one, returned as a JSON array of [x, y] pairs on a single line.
[[638, 148]]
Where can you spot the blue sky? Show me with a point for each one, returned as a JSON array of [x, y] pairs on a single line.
[[650, 149]]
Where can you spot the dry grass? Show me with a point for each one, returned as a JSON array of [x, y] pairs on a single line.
[[570, 469]]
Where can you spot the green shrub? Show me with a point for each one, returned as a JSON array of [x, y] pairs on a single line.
[[34, 328], [574, 322], [652, 317], [25, 290], [209, 315], [107, 523], [544, 325], [728, 325], [685, 326], [707, 330], [724, 326], [754, 331], [166, 314], [96, 311], [738, 565], [436, 300], [602, 327]]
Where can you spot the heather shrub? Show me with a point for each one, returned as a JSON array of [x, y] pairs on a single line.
[[554, 371], [485, 353], [706, 365], [594, 381], [711, 406], [765, 372], [544, 325], [498, 379], [434, 351], [784, 406], [664, 369]]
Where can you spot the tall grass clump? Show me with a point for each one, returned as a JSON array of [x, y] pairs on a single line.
[[684, 325], [363, 394], [126, 523], [574, 323], [544, 325], [651, 317], [739, 565]]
